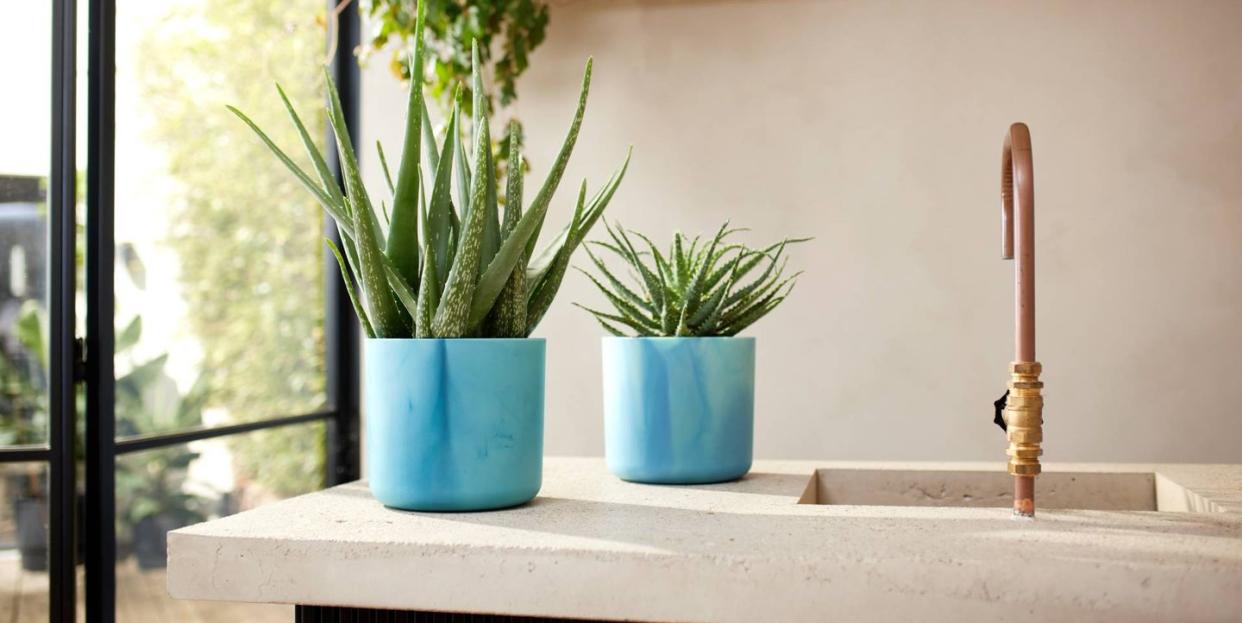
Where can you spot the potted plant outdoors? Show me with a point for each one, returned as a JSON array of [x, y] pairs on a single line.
[[151, 493], [448, 294], [679, 395]]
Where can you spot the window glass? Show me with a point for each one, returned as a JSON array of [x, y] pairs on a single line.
[[23, 541], [167, 488], [220, 255], [25, 158]]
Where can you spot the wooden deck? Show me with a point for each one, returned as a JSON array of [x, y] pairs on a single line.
[[140, 598]]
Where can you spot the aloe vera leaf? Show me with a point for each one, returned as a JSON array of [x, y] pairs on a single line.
[[664, 268], [403, 247], [651, 279], [732, 314], [491, 215], [479, 103], [422, 211], [618, 251], [507, 317], [349, 287], [594, 211], [355, 190], [758, 256], [726, 268], [428, 294], [708, 315], [756, 313], [464, 175], [625, 309], [545, 290], [337, 211], [606, 325], [619, 286], [601, 316], [379, 149], [453, 314], [680, 264], [330, 184], [486, 168], [692, 258], [521, 242], [539, 206], [382, 309], [402, 289], [439, 209], [744, 291], [431, 154], [693, 292], [763, 288], [595, 208]]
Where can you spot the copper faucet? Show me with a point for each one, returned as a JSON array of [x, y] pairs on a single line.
[[1023, 410]]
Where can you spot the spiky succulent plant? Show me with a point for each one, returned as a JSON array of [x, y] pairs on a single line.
[[444, 266], [698, 288]]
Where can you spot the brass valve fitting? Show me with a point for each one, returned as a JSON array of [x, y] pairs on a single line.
[[1024, 418]]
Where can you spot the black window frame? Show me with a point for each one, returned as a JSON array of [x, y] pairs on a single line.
[[89, 359]]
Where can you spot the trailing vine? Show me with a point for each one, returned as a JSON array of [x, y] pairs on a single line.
[[508, 31]]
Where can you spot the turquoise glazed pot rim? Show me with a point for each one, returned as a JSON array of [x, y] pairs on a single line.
[[456, 339], [629, 338]]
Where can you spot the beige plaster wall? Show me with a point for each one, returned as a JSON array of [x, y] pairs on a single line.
[[876, 128]]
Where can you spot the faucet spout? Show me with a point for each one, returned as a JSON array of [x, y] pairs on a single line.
[[1023, 412], [1018, 182]]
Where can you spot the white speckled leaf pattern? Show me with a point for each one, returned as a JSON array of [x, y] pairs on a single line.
[[444, 269]]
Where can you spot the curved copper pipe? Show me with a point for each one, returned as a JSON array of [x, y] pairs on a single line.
[[1018, 179]]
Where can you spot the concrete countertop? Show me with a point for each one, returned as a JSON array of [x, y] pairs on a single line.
[[591, 546]]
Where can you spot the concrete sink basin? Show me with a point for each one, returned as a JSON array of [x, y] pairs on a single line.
[[1081, 490]]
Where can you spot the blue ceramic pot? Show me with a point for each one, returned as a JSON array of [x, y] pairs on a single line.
[[454, 425], [679, 410]]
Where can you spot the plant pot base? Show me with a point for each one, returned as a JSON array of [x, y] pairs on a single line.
[[454, 425], [679, 410], [682, 479]]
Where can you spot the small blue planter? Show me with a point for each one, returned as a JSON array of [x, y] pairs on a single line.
[[454, 425], [679, 410]]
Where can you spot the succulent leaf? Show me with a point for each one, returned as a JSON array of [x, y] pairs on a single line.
[[349, 287], [540, 204], [508, 316], [453, 314], [330, 184], [440, 209], [692, 292], [467, 265], [545, 290], [428, 294], [403, 245]]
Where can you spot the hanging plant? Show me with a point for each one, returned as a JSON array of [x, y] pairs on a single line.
[[507, 32]]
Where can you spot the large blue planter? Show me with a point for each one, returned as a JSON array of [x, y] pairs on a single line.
[[454, 425], [679, 410]]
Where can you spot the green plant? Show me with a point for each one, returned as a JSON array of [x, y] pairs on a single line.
[[516, 27], [148, 402], [694, 290], [432, 269], [23, 394], [248, 240]]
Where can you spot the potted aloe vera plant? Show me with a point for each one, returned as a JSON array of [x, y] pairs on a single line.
[[448, 293], [679, 384]]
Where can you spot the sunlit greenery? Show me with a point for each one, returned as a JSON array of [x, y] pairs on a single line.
[[249, 241]]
